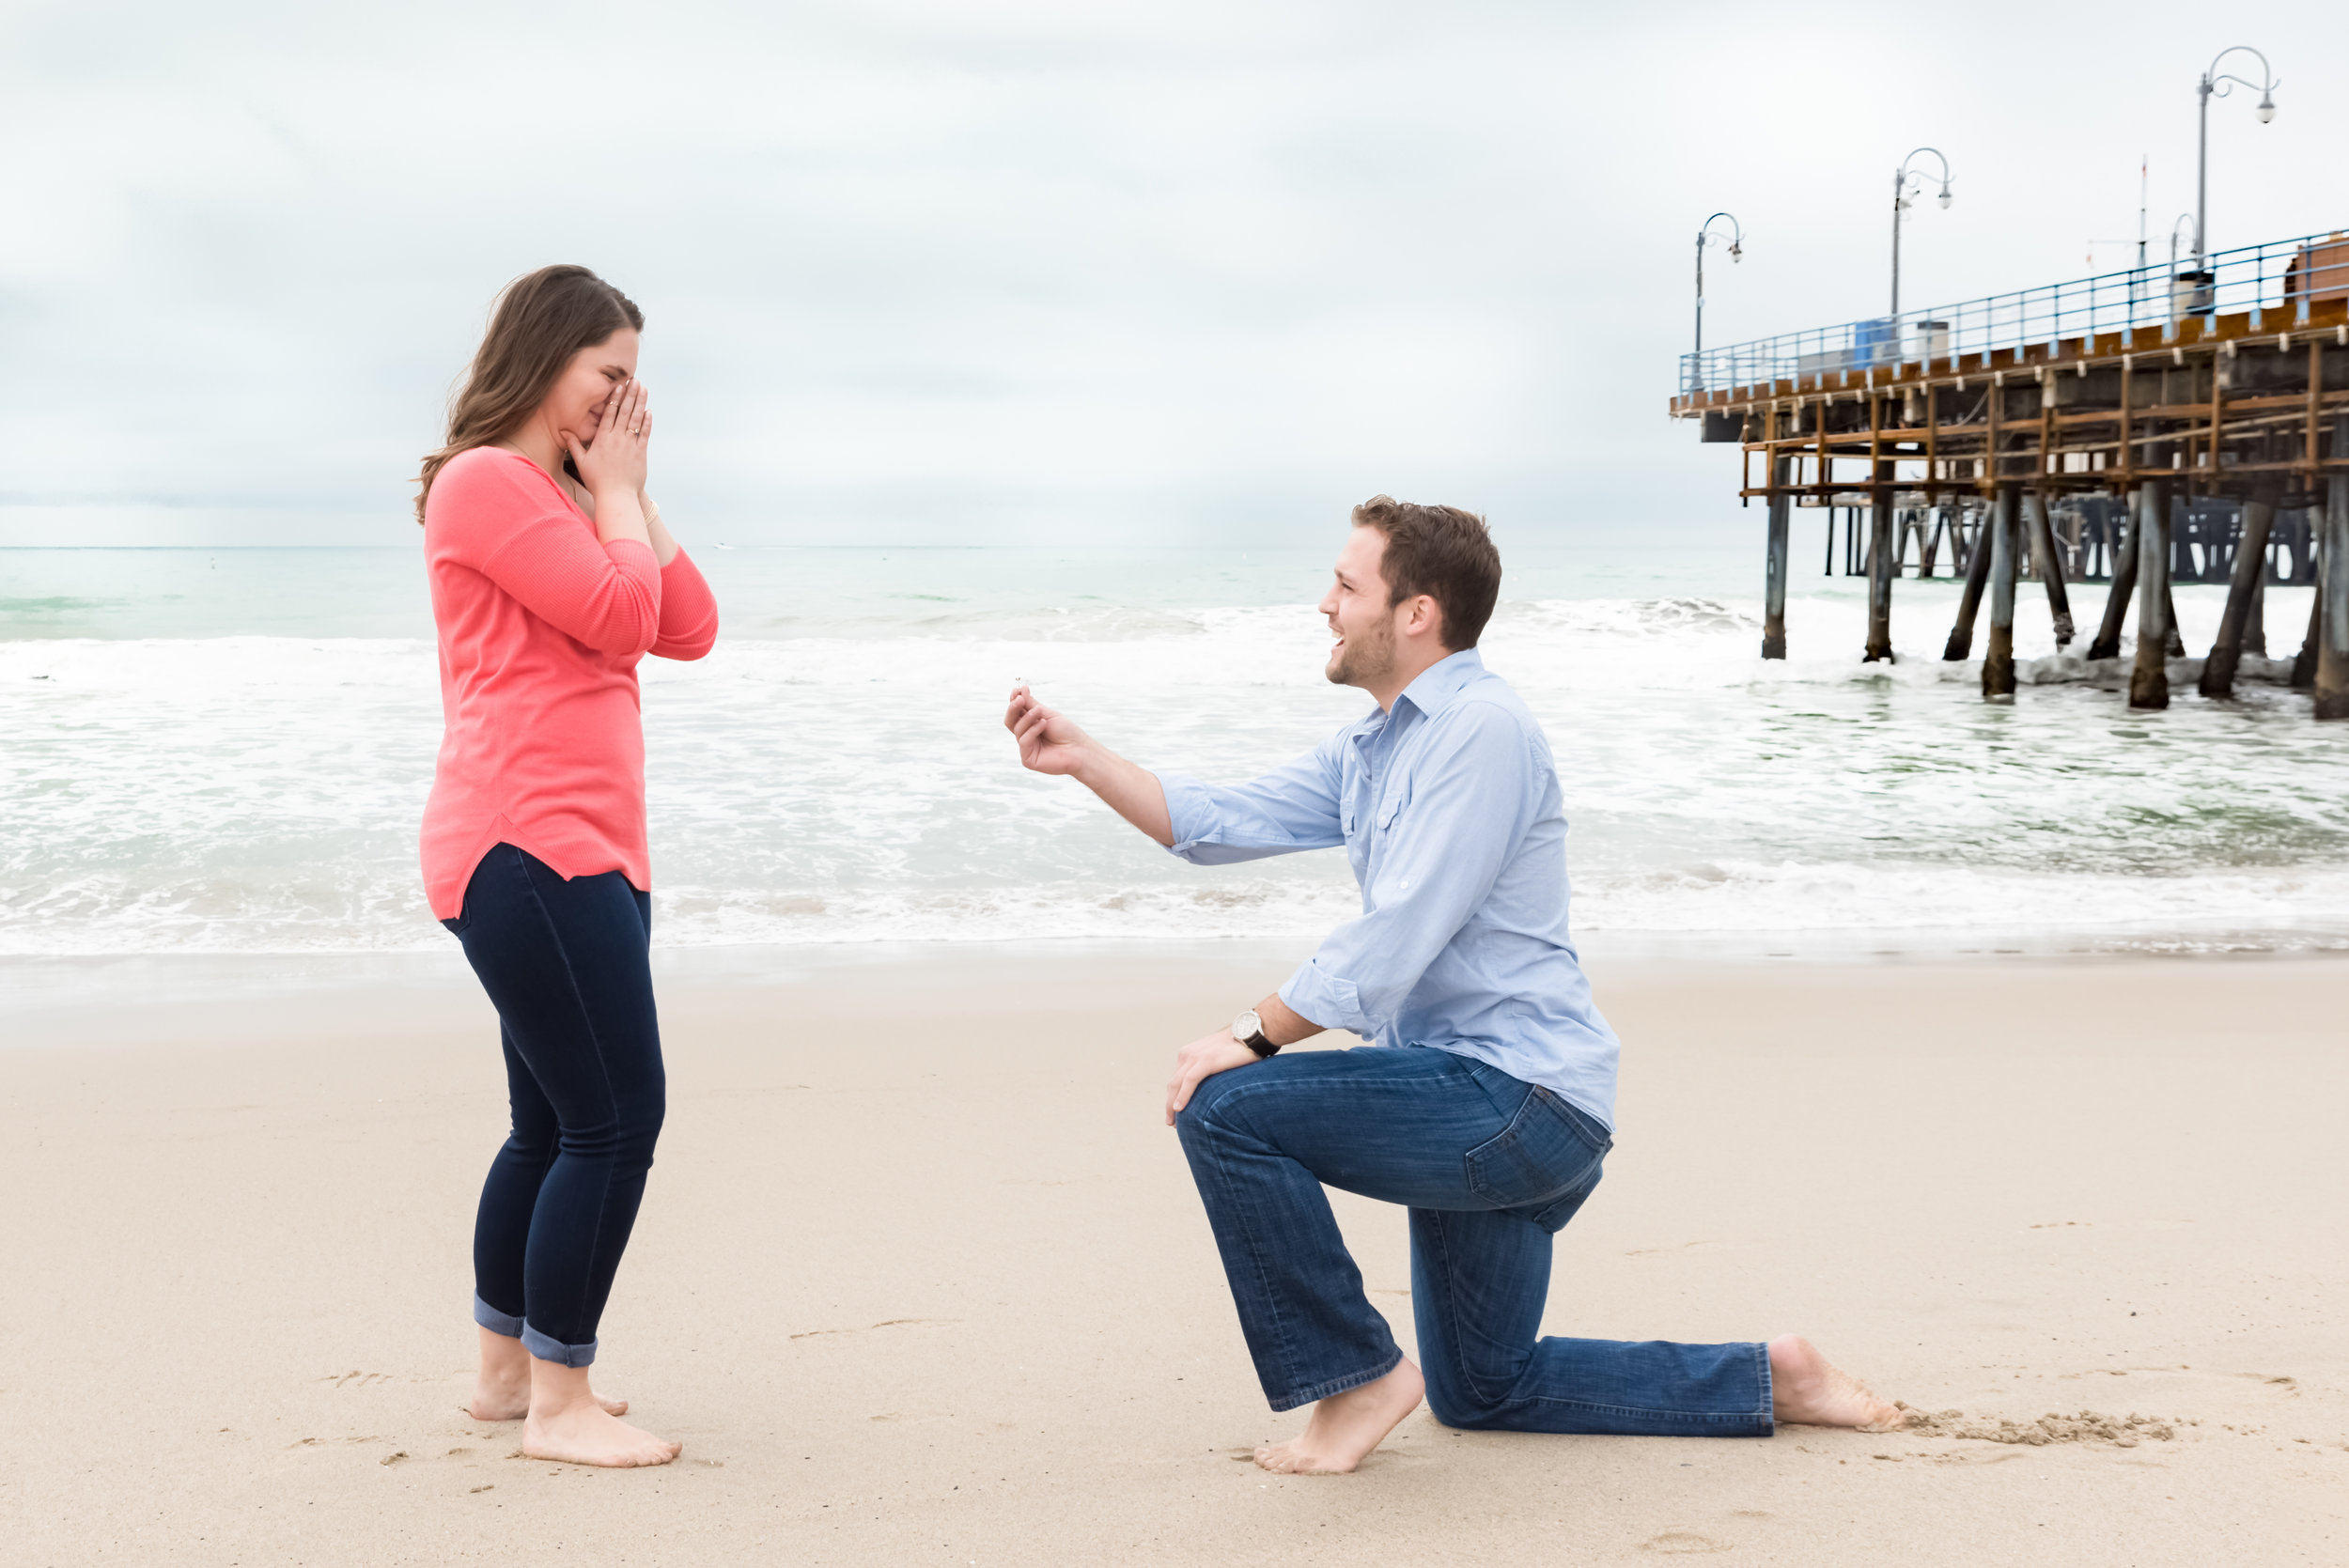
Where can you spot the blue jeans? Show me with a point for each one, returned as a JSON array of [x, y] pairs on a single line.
[[1491, 1169], [566, 966]]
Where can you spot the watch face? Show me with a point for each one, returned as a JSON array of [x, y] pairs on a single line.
[[1247, 1026]]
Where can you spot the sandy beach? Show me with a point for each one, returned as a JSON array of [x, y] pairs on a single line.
[[921, 1279]]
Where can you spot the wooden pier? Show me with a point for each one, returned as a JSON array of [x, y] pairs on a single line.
[[2140, 428]]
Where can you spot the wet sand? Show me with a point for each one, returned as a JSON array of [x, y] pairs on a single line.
[[920, 1277]]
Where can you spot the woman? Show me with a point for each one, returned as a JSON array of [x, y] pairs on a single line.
[[551, 576]]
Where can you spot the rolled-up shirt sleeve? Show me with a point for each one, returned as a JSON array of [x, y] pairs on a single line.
[[1291, 808], [1471, 801]]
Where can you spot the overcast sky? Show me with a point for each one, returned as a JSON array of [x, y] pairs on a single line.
[[1045, 273]]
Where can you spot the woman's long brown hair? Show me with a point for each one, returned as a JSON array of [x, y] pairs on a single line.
[[540, 322]]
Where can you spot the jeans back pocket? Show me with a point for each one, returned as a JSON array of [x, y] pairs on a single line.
[[1545, 1153]]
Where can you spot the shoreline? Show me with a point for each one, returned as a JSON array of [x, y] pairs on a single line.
[[40, 991]]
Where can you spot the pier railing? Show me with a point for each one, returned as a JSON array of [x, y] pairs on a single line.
[[2274, 276]]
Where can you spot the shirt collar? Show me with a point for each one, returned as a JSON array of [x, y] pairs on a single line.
[[1443, 680]]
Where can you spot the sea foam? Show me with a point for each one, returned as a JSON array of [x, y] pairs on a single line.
[[845, 778]]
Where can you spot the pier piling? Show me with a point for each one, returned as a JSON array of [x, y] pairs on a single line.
[[2108, 643], [1961, 643], [2255, 619], [2332, 592], [2148, 682], [1998, 665], [1929, 541], [1882, 557], [2304, 662], [2048, 562], [1774, 564], [2243, 592]]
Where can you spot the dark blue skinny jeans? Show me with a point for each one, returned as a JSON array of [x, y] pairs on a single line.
[[1490, 1168], [566, 966]]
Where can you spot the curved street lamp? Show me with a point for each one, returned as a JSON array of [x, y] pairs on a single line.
[[2185, 221], [1902, 178], [2214, 82], [1736, 252]]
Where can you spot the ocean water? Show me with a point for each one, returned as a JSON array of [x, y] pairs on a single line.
[[227, 751]]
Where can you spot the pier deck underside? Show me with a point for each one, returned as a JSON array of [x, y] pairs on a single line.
[[2213, 406]]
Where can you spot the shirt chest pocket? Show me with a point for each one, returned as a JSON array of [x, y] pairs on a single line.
[[1378, 812]]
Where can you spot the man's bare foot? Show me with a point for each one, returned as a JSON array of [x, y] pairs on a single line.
[[567, 1422], [1808, 1389], [1344, 1428], [502, 1392]]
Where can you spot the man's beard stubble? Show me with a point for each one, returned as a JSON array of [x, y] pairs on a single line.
[[1359, 662]]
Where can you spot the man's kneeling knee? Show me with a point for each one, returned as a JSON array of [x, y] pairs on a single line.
[[1200, 1118]]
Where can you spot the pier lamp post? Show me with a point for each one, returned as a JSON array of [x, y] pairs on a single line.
[[1736, 252], [1902, 178], [2194, 247], [2214, 82]]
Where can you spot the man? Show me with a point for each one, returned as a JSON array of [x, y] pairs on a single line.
[[1485, 1102]]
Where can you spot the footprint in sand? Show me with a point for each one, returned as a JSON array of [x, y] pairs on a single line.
[[1682, 1543], [356, 1380]]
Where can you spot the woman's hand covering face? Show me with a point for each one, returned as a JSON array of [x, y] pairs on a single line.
[[616, 461]]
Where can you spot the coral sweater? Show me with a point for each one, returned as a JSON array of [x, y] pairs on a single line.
[[541, 627]]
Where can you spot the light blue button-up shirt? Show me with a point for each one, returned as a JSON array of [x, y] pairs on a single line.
[[1450, 811]]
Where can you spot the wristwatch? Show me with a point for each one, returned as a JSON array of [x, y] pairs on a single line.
[[1248, 1029]]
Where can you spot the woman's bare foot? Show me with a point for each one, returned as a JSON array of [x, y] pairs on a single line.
[[1808, 1389], [1345, 1427], [501, 1393], [567, 1422], [505, 1402], [585, 1434]]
